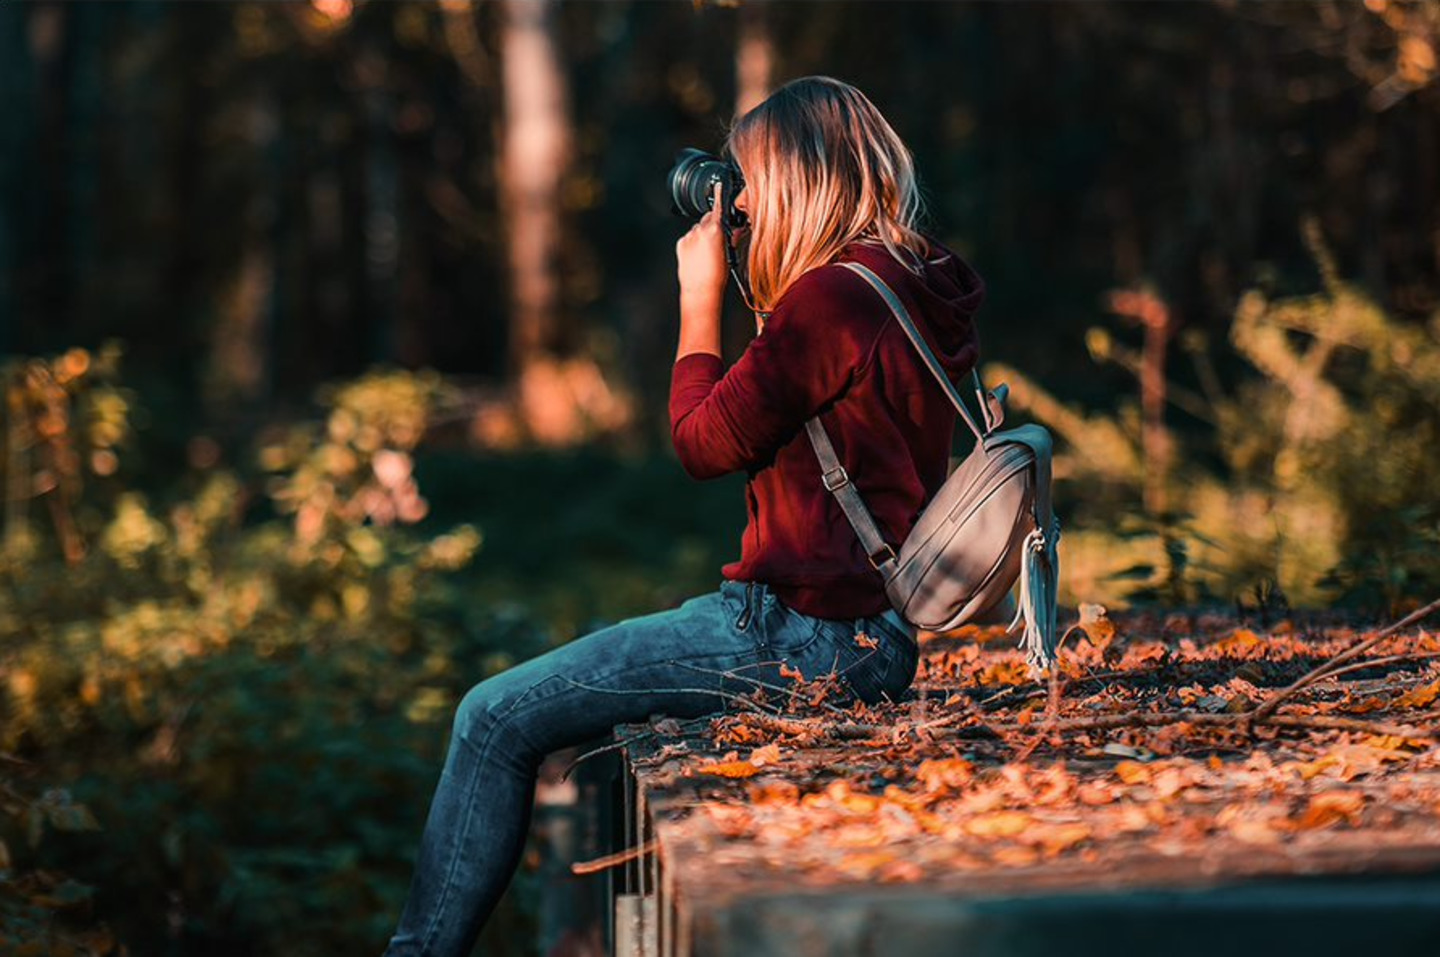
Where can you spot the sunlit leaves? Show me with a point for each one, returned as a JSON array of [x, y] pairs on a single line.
[[913, 792]]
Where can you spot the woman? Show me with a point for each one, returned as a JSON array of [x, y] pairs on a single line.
[[826, 181]]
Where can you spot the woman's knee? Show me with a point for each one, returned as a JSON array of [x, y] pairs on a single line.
[[482, 711]]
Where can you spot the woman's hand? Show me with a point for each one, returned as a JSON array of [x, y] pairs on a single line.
[[700, 262], [700, 257]]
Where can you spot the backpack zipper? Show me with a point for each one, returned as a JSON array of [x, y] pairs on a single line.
[[1005, 462]]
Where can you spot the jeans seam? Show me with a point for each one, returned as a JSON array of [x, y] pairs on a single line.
[[472, 794], [609, 675]]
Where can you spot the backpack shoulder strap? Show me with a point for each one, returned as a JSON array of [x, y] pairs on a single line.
[[837, 480], [903, 316]]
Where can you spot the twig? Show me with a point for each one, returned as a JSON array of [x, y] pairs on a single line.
[[780, 689], [1377, 662], [613, 860], [1052, 716], [1162, 718], [850, 731], [725, 695], [1092, 676], [1011, 741], [1327, 723], [604, 748], [797, 727], [1268, 706]]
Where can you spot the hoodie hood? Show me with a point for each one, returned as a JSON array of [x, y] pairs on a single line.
[[948, 296]]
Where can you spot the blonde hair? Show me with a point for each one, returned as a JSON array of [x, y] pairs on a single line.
[[822, 168]]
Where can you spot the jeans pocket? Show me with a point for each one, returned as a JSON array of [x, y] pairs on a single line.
[[789, 634], [840, 649]]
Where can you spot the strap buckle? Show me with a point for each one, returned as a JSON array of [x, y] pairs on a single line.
[[841, 478], [885, 550]]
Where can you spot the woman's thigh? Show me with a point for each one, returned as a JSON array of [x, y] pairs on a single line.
[[685, 661]]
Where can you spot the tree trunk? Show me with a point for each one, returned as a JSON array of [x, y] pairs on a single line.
[[534, 152], [560, 399], [754, 58]]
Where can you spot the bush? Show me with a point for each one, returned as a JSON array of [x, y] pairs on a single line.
[[252, 713]]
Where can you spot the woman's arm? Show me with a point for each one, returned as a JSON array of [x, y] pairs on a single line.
[[699, 324], [813, 346], [700, 266]]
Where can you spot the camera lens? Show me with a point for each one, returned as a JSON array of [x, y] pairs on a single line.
[[692, 183]]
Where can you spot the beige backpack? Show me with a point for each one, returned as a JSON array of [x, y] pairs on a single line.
[[988, 525]]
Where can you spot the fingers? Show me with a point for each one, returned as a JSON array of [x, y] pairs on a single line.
[[706, 222], [713, 212]]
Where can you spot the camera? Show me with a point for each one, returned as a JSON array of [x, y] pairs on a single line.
[[692, 182]]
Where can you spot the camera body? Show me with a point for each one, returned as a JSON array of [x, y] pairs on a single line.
[[692, 184]]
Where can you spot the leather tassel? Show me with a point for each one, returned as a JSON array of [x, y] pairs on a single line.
[[1039, 581]]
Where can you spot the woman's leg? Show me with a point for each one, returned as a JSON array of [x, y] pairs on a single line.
[[673, 662]]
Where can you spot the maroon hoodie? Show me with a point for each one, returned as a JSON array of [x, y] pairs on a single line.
[[832, 346]]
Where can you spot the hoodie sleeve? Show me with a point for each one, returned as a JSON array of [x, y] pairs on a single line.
[[810, 351]]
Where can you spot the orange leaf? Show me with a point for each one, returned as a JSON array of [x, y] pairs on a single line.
[[1132, 772], [1005, 673], [1013, 856], [1419, 697], [730, 821], [1055, 838], [729, 769], [998, 824], [1331, 807], [769, 754], [1254, 832], [1364, 705], [841, 793], [783, 793], [865, 641], [1098, 628], [939, 775]]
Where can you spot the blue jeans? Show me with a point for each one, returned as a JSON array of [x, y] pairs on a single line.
[[680, 662]]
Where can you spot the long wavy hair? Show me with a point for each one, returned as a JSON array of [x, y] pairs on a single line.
[[822, 168]]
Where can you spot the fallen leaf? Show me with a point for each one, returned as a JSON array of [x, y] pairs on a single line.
[[944, 774], [769, 754], [729, 820], [1253, 832], [1242, 642], [998, 824], [729, 769], [1012, 856], [1097, 627], [1094, 794], [1331, 807], [1056, 838], [1132, 772], [775, 792], [1005, 673], [1126, 751], [1419, 697]]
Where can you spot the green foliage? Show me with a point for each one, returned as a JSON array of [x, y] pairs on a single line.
[[1315, 473], [252, 704], [253, 715]]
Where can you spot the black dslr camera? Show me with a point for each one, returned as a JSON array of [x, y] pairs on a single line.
[[692, 182]]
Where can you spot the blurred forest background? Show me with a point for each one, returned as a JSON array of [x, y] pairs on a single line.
[[336, 338]]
